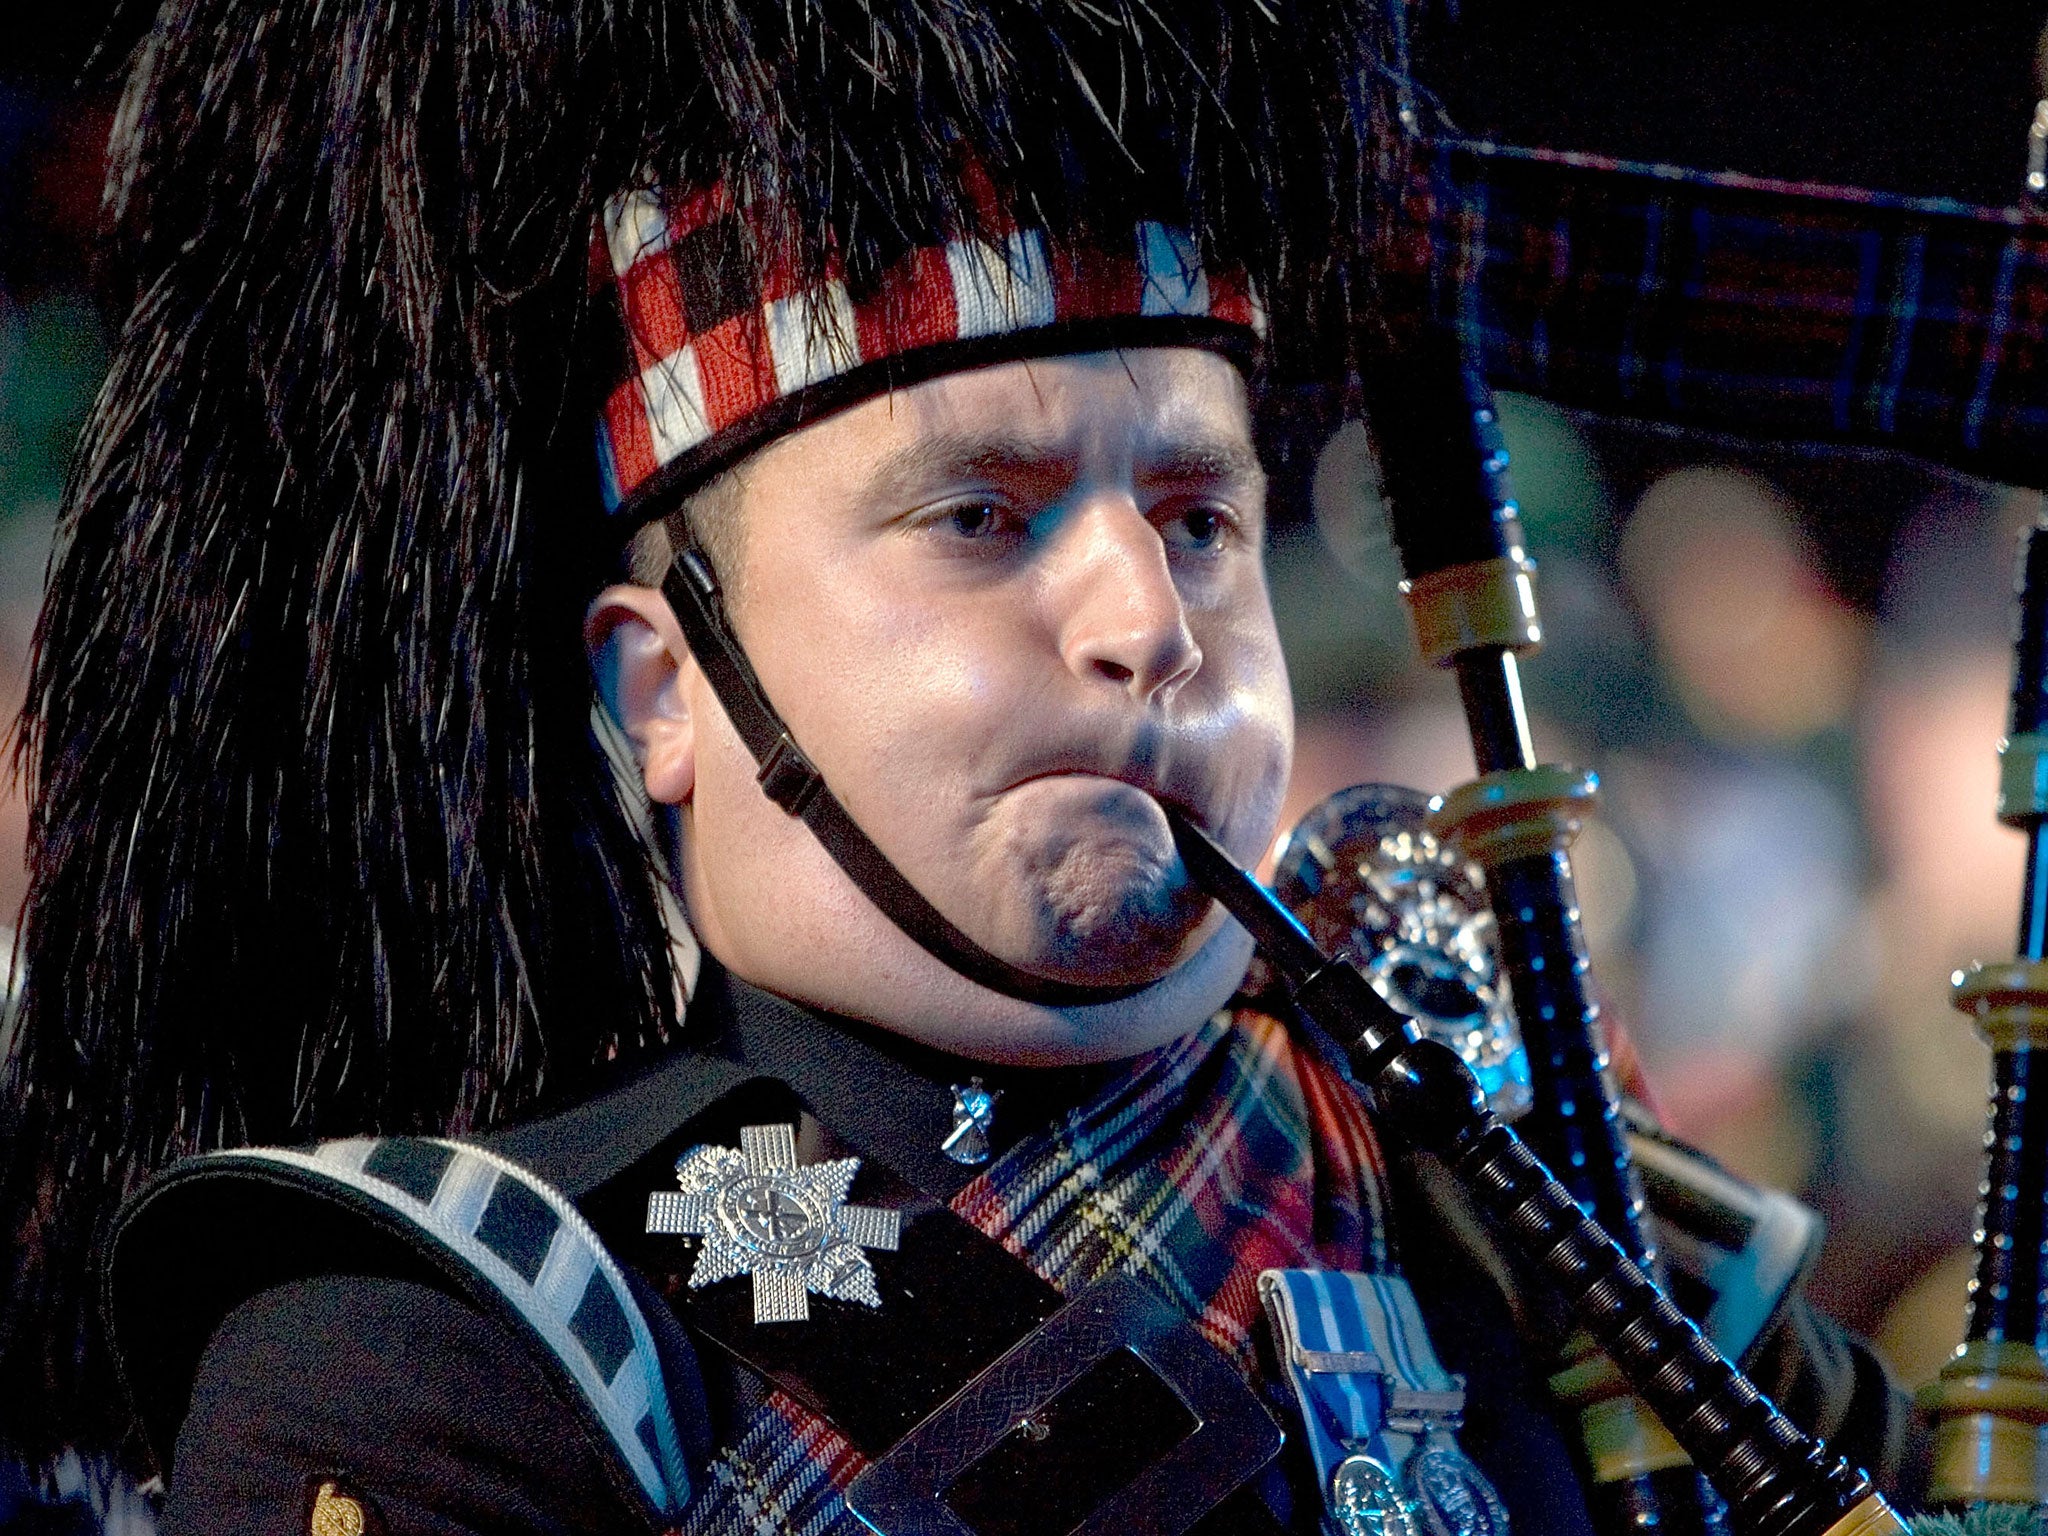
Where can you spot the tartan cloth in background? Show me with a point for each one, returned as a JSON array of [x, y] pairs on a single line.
[[1738, 304], [1226, 1153]]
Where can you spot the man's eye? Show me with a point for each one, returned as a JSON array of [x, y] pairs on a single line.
[[1199, 526], [977, 519]]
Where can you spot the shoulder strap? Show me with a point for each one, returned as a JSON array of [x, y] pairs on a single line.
[[216, 1229]]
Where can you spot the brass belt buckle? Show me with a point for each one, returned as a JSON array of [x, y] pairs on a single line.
[[1112, 1418]]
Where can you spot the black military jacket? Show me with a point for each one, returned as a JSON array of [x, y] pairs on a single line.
[[351, 1387]]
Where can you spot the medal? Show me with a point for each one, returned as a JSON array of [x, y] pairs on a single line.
[[1367, 1500], [1452, 1496], [788, 1226]]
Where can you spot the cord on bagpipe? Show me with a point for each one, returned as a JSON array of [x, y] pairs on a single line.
[[1990, 1403], [1470, 588]]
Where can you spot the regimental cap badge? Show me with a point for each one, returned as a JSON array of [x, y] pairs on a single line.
[[788, 1226], [335, 1508]]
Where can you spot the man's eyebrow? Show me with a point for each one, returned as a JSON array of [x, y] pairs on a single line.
[[1201, 460], [984, 456], [969, 456]]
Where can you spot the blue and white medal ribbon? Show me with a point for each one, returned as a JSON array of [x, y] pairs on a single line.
[[1381, 1413]]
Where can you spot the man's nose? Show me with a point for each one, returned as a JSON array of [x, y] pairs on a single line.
[[1125, 623]]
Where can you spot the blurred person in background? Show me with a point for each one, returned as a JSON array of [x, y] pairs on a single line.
[[1795, 843], [1742, 820]]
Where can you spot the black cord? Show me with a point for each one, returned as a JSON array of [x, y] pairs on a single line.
[[792, 781]]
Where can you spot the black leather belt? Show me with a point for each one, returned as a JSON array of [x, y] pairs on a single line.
[[1114, 1416]]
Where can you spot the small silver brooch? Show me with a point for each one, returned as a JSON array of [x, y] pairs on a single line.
[[790, 1227], [974, 1116]]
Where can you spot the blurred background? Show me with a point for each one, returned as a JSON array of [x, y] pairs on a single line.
[[53, 130], [1788, 666]]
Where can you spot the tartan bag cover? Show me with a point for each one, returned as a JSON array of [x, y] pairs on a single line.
[[1738, 304], [1226, 1153]]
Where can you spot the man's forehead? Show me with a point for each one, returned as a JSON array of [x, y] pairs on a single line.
[[1166, 391], [1179, 412], [1003, 451]]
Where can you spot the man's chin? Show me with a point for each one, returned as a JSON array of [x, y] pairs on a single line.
[[1127, 944], [1098, 903]]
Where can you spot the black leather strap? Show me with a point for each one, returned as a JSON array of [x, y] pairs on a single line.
[[959, 1309], [789, 778]]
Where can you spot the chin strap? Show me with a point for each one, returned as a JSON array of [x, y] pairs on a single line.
[[790, 779]]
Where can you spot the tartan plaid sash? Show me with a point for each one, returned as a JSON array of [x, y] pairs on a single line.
[[1226, 1153], [1738, 304]]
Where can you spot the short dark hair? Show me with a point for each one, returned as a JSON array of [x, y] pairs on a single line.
[[708, 518]]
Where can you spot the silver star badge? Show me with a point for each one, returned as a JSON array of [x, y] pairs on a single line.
[[789, 1227]]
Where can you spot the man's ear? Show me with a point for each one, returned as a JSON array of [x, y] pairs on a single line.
[[638, 659]]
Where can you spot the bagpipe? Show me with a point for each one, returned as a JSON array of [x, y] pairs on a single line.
[[1734, 305]]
